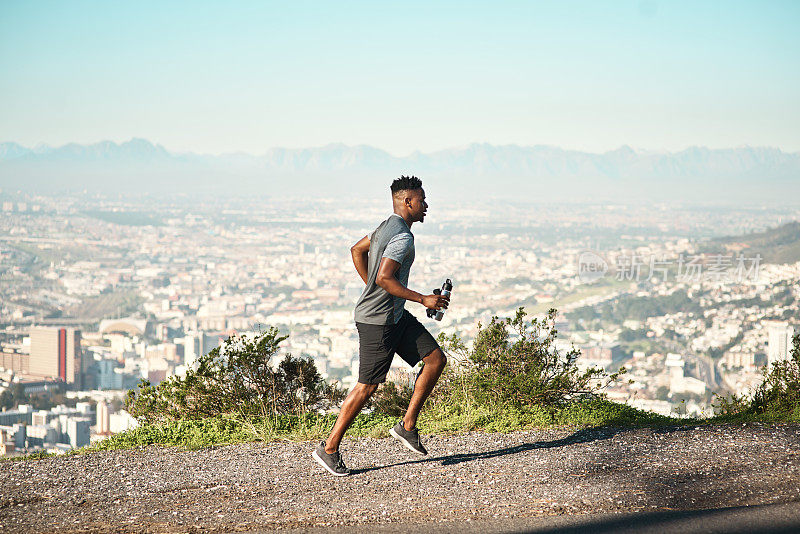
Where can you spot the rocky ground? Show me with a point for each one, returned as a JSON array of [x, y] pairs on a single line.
[[472, 477]]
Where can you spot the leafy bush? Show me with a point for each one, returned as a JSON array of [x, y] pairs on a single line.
[[776, 398], [391, 399], [515, 363], [237, 378]]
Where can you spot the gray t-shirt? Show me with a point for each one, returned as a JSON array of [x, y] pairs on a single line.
[[391, 239]]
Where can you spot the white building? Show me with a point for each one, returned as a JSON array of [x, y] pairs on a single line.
[[678, 381], [779, 342], [78, 431], [103, 418], [121, 421]]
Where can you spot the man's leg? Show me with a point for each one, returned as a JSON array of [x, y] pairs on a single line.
[[351, 407], [434, 365]]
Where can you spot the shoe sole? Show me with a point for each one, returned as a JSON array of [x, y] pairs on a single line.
[[402, 440], [321, 462]]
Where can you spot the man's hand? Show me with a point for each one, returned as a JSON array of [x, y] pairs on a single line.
[[435, 302]]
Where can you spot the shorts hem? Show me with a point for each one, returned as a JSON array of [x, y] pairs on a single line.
[[372, 383]]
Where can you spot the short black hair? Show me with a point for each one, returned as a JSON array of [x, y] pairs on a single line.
[[406, 183]]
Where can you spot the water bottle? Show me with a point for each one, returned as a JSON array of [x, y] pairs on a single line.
[[447, 287]]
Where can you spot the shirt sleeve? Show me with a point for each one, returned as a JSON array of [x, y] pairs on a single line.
[[398, 247]]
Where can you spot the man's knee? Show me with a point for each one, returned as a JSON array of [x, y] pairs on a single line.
[[366, 389], [436, 359]]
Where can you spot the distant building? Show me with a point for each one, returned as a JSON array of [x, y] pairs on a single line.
[[321, 362], [130, 326], [23, 414], [740, 359], [191, 351], [655, 406], [15, 362], [20, 435], [121, 421], [675, 364], [7, 448], [56, 353], [197, 344], [107, 375], [79, 431], [779, 342], [601, 355], [687, 384], [103, 418], [678, 382], [209, 342]]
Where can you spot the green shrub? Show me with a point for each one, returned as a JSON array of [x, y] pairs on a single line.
[[238, 378], [777, 398], [391, 399], [514, 363]]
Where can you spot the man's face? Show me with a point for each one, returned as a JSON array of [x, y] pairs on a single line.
[[416, 204]]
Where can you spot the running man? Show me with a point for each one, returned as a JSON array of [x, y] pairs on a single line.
[[383, 260]]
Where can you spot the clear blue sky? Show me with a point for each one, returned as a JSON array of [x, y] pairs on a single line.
[[246, 76]]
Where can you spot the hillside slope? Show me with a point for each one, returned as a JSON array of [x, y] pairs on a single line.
[[473, 476], [776, 245]]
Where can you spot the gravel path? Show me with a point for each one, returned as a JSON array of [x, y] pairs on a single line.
[[466, 477]]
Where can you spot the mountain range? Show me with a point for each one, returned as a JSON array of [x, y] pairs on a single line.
[[699, 174]]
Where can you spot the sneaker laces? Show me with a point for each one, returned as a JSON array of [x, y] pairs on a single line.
[[339, 462]]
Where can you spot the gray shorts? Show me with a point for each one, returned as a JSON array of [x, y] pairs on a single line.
[[378, 344]]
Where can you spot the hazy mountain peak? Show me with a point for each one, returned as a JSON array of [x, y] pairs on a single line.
[[540, 171]]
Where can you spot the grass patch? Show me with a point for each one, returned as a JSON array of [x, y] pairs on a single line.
[[41, 255], [224, 430], [33, 456], [771, 416], [45, 255], [126, 218], [606, 286], [230, 429], [107, 305]]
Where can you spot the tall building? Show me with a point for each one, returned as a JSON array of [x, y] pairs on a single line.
[[56, 353], [191, 350], [103, 418], [675, 366], [107, 375], [779, 342], [197, 344]]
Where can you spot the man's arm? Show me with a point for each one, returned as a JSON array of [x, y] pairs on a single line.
[[387, 280], [360, 253]]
